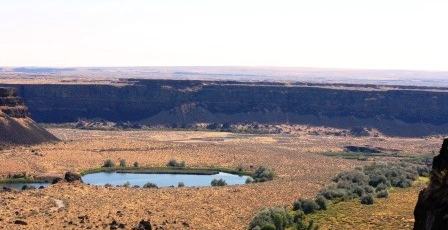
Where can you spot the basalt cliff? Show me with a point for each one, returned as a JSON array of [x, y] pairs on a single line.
[[431, 211], [16, 127], [401, 110]]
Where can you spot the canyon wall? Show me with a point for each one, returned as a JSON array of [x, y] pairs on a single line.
[[15, 125], [394, 111]]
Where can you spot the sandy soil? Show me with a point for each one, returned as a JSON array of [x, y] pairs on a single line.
[[301, 172]]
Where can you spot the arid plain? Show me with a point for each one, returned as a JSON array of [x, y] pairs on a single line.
[[301, 170]]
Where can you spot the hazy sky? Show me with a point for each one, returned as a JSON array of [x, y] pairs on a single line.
[[392, 34]]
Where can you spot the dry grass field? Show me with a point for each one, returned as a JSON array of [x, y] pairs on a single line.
[[300, 172]]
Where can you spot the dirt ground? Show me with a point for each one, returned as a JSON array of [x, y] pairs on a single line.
[[300, 172]]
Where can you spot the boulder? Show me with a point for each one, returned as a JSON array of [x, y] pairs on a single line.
[[72, 177], [56, 180], [432, 206], [143, 225], [20, 222]]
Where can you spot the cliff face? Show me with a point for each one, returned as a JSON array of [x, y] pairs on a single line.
[[11, 104], [15, 125], [397, 111], [431, 210]]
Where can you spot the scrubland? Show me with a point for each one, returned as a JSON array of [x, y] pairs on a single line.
[[301, 169]]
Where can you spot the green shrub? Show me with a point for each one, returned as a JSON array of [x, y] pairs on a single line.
[[382, 194], [249, 180], [301, 225], [307, 206], [218, 182], [108, 163], [122, 163], [424, 171], [263, 174], [127, 184], [358, 191], [181, 184], [322, 202], [174, 163], [402, 183], [150, 185], [375, 180], [136, 165], [381, 187], [369, 189], [367, 199], [334, 193], [277, 217], [269, 227], [355, 177]]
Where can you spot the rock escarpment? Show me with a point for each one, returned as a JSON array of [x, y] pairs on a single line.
[[431, 211], [16, 127], [395, 111]]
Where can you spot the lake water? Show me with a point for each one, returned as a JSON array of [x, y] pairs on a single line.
[[161, 180]]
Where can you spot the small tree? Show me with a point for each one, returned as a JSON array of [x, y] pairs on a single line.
[[150, 185], [367, 199], [307, 206], [122, 163], [322, 202], [382, 194], [136, 165], [218, 182], [176, 164], [108, 163]]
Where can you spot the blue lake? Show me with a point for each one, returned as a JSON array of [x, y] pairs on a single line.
[[161, 180]]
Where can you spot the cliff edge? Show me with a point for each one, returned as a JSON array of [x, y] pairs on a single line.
[[431, 211], [16, 127]]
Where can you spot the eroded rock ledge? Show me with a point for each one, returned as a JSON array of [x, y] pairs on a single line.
[[16, 126]]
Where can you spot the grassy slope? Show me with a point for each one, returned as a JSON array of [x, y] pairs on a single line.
[[395, 212]]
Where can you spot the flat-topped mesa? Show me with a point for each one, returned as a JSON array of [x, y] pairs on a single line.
[[11, 104]]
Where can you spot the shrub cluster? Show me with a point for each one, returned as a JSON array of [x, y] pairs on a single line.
[[309, 206], [174, 163], [363, 183], [150, 185], [371, 181], [108, 163], [218, 182], [263, 174], [279, 219]]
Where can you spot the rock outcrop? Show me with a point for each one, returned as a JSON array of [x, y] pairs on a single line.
[[16, 127], [143, 225], [431, 211], [72, 177]]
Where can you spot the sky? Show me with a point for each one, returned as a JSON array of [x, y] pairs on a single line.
[[372, 34]]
